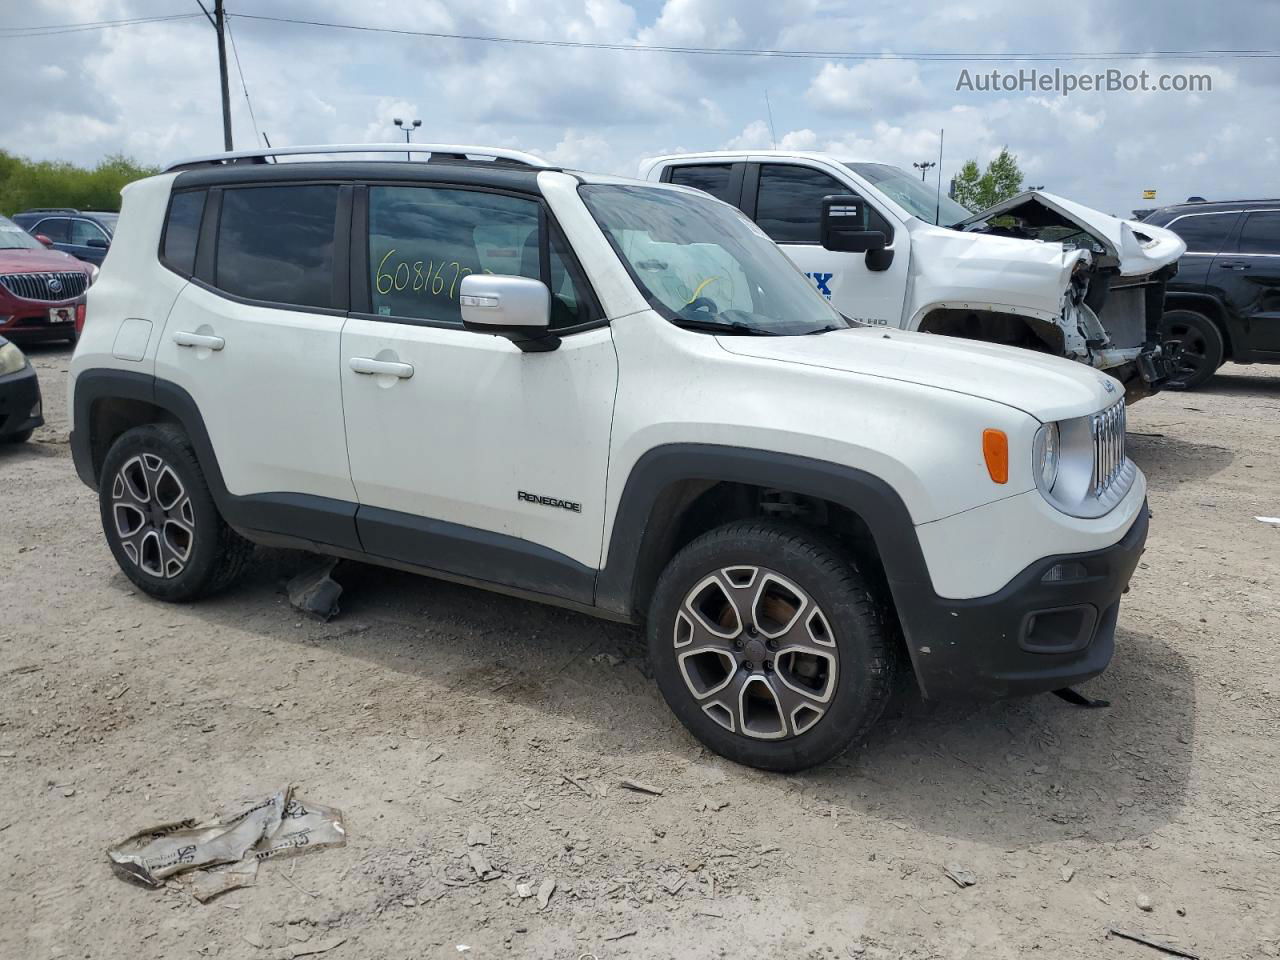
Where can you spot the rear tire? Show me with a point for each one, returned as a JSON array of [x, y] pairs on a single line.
[[769, 646], [160, 520], [1195, 346]]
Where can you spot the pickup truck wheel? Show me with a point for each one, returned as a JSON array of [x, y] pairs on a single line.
[[768, 645], [1195, 346], [160, 520]]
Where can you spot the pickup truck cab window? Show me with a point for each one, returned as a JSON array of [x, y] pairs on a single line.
[[789, 203], [703, 265], [714, 178]]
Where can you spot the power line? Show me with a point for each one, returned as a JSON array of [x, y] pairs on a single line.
[[923, 56], [53, 29], [244, 86], [1212, 54]]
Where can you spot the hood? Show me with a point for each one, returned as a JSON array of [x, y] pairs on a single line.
[[1138, 248], [1044, 386], [39, 261]]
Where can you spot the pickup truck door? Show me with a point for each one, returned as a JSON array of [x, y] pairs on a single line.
[[469, 456], [1250, 279], [785, 199]]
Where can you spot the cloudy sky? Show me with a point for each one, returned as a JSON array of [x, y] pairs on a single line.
[[151, 90]]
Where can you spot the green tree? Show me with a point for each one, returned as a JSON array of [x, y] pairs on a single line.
[[29, 183], [1001, 180]]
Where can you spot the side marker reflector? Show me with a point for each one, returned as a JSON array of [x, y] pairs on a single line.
[[995, 450]]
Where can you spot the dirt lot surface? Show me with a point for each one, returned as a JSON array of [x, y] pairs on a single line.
[[427, 708]]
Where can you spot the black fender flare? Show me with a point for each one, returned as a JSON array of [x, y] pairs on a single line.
[[286, 514], [637, 522]]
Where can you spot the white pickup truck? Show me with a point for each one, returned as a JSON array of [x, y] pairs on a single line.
[[1035, 271]]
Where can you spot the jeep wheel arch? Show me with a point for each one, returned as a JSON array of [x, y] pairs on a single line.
[[666, 480]]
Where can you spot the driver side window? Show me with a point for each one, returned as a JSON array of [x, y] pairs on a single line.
[[789, 203]]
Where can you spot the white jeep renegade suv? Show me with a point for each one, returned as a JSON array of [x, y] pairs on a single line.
[[515, 376]]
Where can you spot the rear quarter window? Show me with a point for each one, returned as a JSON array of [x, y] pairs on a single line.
[[181, 229]]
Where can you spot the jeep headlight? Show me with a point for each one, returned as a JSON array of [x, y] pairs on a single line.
[[1044, 454], [11, 359], [1080, 464]]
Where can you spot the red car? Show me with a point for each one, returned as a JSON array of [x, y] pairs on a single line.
[[41, 291]]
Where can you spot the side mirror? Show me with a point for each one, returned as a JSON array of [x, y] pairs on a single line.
[[844, 226], [43, 239], [99, 242], [517, 308]]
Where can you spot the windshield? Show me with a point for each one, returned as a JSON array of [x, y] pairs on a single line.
[[13, 237], [912, 193], [703, 265]]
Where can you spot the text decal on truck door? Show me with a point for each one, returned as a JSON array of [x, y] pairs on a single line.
[[549, 501]]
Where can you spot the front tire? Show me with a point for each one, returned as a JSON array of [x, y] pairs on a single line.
[[1195, 345], [768, 645], [160, 520]]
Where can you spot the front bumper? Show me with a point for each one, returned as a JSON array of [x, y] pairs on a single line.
[[20, 404], [1031, 636]]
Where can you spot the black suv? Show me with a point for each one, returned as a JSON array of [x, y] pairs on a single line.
[[1224, 303], [84, 234]]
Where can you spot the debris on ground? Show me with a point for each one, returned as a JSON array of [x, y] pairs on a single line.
[[1067, 873], [1144, 903], [277, 825], [1268, 519], [314, 591], [1154, 944], [479, 835], [545, 890], [960, 876], [640, 787], [312, 947]]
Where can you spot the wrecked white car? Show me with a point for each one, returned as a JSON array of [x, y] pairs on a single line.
[[1035, 271]]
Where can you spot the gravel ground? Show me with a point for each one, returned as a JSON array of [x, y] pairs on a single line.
[[426, 708]]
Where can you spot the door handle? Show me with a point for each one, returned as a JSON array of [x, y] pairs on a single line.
[[372, 367], [1234, 265], [184, 339]]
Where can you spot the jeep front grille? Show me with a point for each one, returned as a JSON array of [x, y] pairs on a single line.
[[1108, 447], [45, 286]]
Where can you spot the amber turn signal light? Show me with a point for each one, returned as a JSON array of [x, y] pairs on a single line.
[[995, 450]]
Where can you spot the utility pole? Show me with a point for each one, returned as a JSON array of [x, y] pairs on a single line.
[[220, 24], [218, 21]]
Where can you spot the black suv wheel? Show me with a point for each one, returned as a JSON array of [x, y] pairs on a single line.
[[1194, 345], [160, 519], [768, 645]]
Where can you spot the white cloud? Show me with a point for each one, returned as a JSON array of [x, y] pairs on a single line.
[[151, 91], [872, 86]]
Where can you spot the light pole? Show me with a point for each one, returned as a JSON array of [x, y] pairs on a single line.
[[924, 166], [407, 128]]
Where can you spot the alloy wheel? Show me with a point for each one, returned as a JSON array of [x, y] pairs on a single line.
[[153, 515], [756, 652], [1188, 351]]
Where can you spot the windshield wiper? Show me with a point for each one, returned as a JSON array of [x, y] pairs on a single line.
[[829, 328], [724, 326]]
